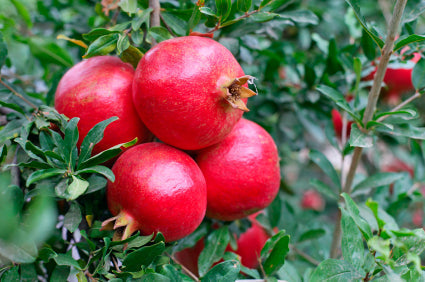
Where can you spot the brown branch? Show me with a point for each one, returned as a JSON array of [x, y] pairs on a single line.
[[304, 255], [387, 50], [155, 15], [401, 105], [188, 272], [18, 94], [167, 26]]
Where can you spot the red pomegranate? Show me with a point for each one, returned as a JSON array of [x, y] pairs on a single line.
[[312, 200], [157, 188], [97, 89], [189, 91], [242, 172], [249, 248], [337, 122]]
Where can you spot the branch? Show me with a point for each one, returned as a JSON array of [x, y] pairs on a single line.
[[246, 15], [155, 15], [193, 276], [370, 110], [401, 105], [304, 255], [18, 94]]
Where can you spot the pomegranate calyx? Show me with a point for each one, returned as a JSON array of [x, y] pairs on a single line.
[[236, 92], [123, 224]]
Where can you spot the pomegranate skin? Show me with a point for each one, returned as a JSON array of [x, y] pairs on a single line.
[[179, 91], [97, 89], [160, 188], [242, 172]]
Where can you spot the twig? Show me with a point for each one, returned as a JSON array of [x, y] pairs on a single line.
[[401, 105], [387, 50], [246, 15], [167, 26], [304, 255], [114, 261], [155, 15], [190, 273], [18, 94]]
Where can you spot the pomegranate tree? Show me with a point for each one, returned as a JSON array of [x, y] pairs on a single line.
[[190, 91], [242, 172], [95, 90], [156, 188]]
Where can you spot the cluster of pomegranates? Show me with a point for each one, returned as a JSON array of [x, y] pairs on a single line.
[[190, 93]]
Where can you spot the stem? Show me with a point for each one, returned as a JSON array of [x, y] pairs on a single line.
[[387, 50], [18, 94], [190, 273], [246, 15], [401, 105], [155, 15], [304, 255]]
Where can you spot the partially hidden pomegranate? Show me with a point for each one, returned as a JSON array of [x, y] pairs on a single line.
[[190, 91], [242, 172], [249, 245], [312, 200], [95, 90], [156, 188]]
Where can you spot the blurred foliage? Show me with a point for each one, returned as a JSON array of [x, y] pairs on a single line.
[[308, 57]]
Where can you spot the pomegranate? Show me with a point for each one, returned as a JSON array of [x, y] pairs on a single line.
[[97, 89], [249, 245], [312, 200], [156, 188], [337, 122], [189, 91], [242, 172]]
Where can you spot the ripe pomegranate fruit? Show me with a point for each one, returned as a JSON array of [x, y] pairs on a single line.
[[189, 91], [249, 245], [156, 188], [242, 172], [97, 89], [312, 200], [337, 122]]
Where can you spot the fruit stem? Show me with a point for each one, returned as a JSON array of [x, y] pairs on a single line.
[[235, 92], [123, 224]]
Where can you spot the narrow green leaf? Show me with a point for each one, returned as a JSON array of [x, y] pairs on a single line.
[[354, 212], [106, 155], [22, 252], [160, 33], [11, 274], [194, 18], [96, 33], [324, 189], [352, 242], [357, 67], [418, 74], [403, 41], [132, 55], [144, 256], [374, 207], [312, 234], [68, 260], [273, 5], [3, 153], [276, 259], [128, 6], [223, 272], [103, 170], [263, 16], [77, 187], [96, 183], [337, 271], [49, 52], [92, 138], [103, 45], [23, 12], [153, 277], [142, 17], [215, 247], [359, 138], [178, 25], [244, 5], [70, 142], [407, 113], [73, 217], [376, 180], [207, 11], [320, 159], [356, 8], [43, 174], [300, 16], [3, 50], [223, 8]]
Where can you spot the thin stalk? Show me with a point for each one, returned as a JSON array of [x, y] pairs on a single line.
[[18, 94], [387, 51], [185, 269], [155, 15], [401, 105]]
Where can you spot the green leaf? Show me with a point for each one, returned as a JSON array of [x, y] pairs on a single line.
[[352, 242], [263, 16], [128, 6], [312, 234], [244, 5], [354, 212], [368, 46], [154, 277], [67, 259], [207, 11], [160, 33], [103, 45], [279, 246], [77, 187], [11, 274], [374, 207], [92, 138], [19, 252], [122, 44], [223, 272], [223, 8], [339, 99], [142, 17], [23, 12], [380, 245], [194, 18], [376, 180], [418, 74], [320, 159], [144, 256], [43, 174], [106, 155], [171, 272], [3, 50], [49, 52], [215, 246], [406, 112], [103, 170], [324, 189], [28, 273], [96, 33], [300, 16], [337, 271], [356, 8], [3, 153], [70, 142], [96, 183], [272, 5], [359, 138], [132, 55], [403, 41], [73, 217]]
